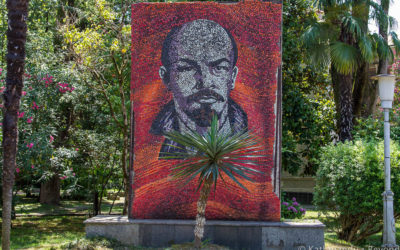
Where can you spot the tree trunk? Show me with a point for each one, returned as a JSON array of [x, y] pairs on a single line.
[[364, 94], [343, 91], [16, 33], [50, 191], [201, 213], [125, 164], [361, 91], [96, 203], [383, 31], [344, 105]]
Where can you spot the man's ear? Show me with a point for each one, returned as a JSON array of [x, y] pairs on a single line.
[[235, 72], [163, 74]]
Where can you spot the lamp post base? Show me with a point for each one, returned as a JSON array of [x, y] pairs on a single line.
[[389, 225]]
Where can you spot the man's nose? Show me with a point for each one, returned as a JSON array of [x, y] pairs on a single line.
[[203, 78]]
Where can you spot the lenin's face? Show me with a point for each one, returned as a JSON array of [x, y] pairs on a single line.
[[201, 73]]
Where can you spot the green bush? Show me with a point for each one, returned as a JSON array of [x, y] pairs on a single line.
[[371, 128], [350, 182]]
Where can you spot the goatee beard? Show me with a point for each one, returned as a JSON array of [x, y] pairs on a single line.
[[202, 116]]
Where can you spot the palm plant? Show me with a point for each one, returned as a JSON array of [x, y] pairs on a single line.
[[341, 40], [209, 158]]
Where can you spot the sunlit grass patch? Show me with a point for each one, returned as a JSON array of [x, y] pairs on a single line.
[[25, 206], [52, 231]]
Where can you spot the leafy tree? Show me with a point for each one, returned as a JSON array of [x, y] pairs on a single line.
[[98, 40], [211, 157], [307, 102], [97, 164], [16, 34], [341, 39]]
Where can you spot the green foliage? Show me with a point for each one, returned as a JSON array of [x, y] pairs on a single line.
[[308, 107], [328, 40], [350, 181], [371, 128], [215, 154]]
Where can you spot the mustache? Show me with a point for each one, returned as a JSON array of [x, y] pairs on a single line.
[[205, 93]]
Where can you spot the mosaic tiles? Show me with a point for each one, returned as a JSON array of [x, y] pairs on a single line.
[[191, 61]]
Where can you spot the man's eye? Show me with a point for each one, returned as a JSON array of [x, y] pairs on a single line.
[[184, 68], [220, 69]]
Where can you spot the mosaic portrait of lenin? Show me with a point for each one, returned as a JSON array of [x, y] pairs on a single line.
[[199, 68], [189, 63]]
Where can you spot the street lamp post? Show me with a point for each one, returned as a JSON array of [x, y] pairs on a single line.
[[386, 92]]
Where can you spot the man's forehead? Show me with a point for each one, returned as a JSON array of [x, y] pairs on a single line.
[[202, 40]]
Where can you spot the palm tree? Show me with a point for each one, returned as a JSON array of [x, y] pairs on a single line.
[[212, 157], [341, 39], [16, 35]]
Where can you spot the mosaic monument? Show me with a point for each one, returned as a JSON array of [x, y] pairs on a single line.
[[191, 61]]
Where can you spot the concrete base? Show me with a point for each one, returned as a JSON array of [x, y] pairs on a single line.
[[233, 234]]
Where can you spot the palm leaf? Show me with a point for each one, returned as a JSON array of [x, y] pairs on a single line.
[[354, 25], [344, 57], [366, 48], [383, 49], [207, 156], [396, 42]]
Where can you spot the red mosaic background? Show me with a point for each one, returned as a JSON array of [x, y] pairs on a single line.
[[256, 28]]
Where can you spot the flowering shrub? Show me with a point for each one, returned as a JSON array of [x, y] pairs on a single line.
[[292, 210], [40, 120]]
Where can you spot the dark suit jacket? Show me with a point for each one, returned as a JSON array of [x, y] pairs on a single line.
[[167, 120]]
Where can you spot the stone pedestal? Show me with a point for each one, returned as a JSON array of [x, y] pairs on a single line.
[[233, 234]]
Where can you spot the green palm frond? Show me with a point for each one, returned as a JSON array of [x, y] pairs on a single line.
[[383, 49], [322, 4], [316, 39], [377, 13], [366, 48], [354, 25], [344, 57], [392, 22], [216, 154], [396, 42], [319, 55], [318, 32]]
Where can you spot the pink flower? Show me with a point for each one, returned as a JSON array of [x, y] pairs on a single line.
[[34, 106], [64, 87], [2, 89], [77, 149], [29, 145], [29, 120], [73, 174], [23, 93], [20, 115], [32, 166], [51, 139], [17, 170], [1, 124]]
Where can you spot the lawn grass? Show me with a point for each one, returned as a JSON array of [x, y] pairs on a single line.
[[49, 227], [41, 226], [331, 239], [30, 206], [45, 232]]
